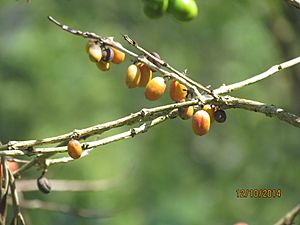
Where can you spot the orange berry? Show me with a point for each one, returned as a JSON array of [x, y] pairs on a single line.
[[95, 53], [12, 166], [186, 112], [74, 149], [210, 110], [201, 122], [104, 66], [119, 56], [146, 75], [178, 91], [133, 76], [155, 88]]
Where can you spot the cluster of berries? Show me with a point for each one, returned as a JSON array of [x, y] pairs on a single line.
[[141, 75], [183, 10], [103, 56]]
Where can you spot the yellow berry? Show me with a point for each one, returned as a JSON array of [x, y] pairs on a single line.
[[155, 88], [95, 53], [119, 56], [146, 74], [178, 91], [133, 76], [210, 110], [104, 66], [186, 112]]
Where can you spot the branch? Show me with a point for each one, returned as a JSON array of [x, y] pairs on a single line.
[[15, 201], [166, 65], [274, 69], [92, 144], [4, 189], [145, 114], [289, 218], [255, 106], [47, 152], [193, 85], [147, 118]]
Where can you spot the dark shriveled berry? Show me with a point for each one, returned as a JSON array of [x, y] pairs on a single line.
[[155, 54], [220, 116], [107, 55], [43, 185]]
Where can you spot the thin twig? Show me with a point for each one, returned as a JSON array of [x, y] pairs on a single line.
[[39, 159], [274, 69], [289, 218], [93, 144], [47, 152], [15, 201], [165, 64], [110, 42], [4, 186]]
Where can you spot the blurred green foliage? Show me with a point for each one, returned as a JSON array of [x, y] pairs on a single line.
[[170, 176]]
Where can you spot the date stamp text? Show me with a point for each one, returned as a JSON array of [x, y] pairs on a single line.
[[258, 193]]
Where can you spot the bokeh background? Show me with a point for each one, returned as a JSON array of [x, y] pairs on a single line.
[[169, 176]]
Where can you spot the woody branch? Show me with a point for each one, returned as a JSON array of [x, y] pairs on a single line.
[[146, 118]]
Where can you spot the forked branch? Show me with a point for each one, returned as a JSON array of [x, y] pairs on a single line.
[[146, 118]]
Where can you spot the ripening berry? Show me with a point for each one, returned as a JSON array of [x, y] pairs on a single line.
[[74, 149], [241, 223], [155, 88], [201, 122], [220, 116], [95, 53], [119, 56], [146, 74], [133, 76], [211, 110], [104, 66], [186, 112], [177, 91]]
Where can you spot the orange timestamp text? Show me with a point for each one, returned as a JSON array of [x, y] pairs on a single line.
[[258, 193]]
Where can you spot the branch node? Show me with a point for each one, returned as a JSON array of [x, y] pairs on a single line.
[[10, 145], [144, 112], [75, 134], [133, 132]]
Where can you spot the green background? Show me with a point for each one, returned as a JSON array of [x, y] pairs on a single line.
[[169, 176]]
